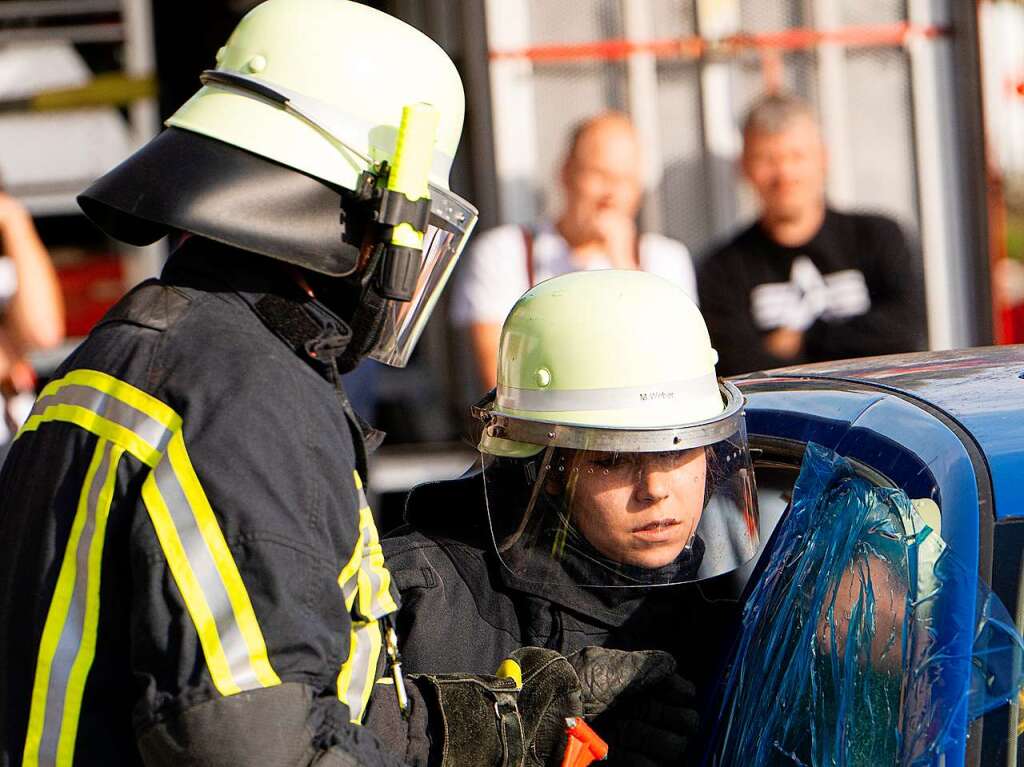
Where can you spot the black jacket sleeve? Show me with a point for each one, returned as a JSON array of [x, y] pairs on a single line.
[[896, 321], [282, 725], [725, 303]]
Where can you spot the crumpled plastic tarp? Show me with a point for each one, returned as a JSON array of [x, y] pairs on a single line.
[[865, 641]]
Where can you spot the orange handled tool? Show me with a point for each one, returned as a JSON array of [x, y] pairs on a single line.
[[585, 745]]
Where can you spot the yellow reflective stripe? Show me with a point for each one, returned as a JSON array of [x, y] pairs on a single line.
[[95, 424], [231, 579], [193, 543], [135, 415], [67, 647], [188, 585], [56, 617], [364, 577], [103, 405], [125, 392], [376, 642], [365, 591], [347, 579], [375, 600], [87, 652], [355, 681]]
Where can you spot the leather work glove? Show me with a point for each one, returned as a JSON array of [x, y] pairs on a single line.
[[529, 708], [516, 720], [638, 704]]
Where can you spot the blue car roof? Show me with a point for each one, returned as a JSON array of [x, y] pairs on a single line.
[[981, 388]]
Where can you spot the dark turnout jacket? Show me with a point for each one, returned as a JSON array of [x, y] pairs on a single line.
[[855, 285], [190, 573], [464, 611]]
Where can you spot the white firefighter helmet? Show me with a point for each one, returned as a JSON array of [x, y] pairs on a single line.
[[634, 455], [353, 68]]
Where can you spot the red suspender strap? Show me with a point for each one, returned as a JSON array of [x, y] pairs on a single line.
[[528, 250]]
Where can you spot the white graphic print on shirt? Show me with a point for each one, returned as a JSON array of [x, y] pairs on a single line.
[[807, 296]]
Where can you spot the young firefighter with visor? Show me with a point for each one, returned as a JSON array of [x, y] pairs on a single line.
[[190, 572], [615, 471]]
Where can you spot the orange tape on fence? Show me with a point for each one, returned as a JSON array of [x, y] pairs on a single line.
[[696, 47]]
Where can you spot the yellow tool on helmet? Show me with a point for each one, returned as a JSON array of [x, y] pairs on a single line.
[[405, 206]]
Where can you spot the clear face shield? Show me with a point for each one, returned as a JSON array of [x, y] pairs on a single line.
[[621, 508], [450, 222]]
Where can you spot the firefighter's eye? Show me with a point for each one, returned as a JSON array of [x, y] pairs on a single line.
[[611, 460]]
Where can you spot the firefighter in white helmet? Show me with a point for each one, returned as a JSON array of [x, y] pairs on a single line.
[[615, 470], [191, 574]]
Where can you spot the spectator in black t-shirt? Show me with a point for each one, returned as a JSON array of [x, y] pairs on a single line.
[[805, 283]]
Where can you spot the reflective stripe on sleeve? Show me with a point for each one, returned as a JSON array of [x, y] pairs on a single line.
[[139, 423], [355, 681], [68, 644], [366, 588], [190, 536], [375, 600], [348, 580], [206, 574]]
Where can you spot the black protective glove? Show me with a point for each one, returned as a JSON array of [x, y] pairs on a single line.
[[638, 704]]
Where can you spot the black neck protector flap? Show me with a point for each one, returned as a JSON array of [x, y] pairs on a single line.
[[186, 181]]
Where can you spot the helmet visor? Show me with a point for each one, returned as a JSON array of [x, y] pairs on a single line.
[[451, 221], [624, 519]]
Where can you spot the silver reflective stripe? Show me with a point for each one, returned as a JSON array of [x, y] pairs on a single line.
[[349, 587], [111, 408], [204, 567], [70, 641], [375, 575], [561, 400], [363, 657], [612, 438], [377, 609]]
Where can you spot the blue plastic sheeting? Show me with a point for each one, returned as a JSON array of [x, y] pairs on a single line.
[[864, 641]]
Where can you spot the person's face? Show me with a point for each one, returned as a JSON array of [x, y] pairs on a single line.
[[787, 168], [869, 593], [604, 174], [638, 509]]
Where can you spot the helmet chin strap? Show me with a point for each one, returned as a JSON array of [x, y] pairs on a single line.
[[360, 304], [367, 325]]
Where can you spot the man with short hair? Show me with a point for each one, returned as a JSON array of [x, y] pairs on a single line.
[[603, 184], [805, 283]]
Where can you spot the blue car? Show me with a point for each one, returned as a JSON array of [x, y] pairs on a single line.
[[892, 517]]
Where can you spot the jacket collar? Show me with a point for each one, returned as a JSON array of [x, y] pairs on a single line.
[[266, 286], [314, 332]]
